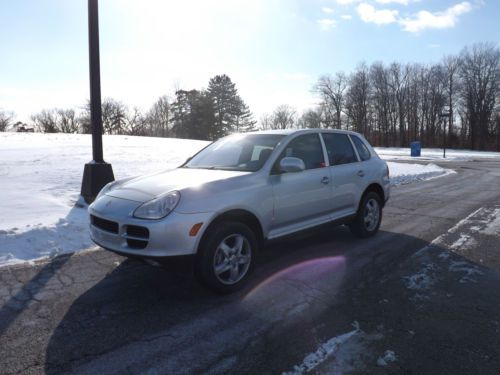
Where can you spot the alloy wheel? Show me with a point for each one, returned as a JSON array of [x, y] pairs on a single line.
[[372, 214], [232, 259]]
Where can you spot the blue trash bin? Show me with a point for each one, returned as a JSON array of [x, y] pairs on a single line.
[[416, 148]]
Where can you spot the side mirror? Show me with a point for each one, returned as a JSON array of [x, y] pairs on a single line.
[[292, 165]]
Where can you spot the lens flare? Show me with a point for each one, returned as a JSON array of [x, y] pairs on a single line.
[[320, 275]]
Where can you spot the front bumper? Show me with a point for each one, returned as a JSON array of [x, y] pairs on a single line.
[[387, 189], [165, 237]]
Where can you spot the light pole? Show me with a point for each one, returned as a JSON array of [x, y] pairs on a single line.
[[444, 114], [497, 119], [97, 172]]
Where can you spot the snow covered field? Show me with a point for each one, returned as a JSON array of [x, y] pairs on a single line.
[[40, 177]]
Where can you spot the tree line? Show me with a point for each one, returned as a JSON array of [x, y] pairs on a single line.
[[456, 100], [394, 104], [196, 114]]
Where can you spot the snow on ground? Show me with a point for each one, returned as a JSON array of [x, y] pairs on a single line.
[[434, 154], [404, 173], [325, 350], [388, 357], [462, 237], [342, 354], [40, 177]]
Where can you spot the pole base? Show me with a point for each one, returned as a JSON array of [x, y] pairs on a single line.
[[95, 176]]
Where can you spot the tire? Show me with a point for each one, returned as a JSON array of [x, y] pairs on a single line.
[[369, 216], [226, 257]]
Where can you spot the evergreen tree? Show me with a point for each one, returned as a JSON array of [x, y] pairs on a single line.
[[230, 111], [244, 118], [193, 116]]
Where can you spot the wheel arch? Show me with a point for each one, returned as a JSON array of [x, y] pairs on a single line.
[[236, 215], [376, 188]]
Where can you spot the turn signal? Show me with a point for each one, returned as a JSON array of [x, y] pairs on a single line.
[[195, 228]]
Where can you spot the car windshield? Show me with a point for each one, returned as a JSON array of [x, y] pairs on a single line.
[[241, 152]]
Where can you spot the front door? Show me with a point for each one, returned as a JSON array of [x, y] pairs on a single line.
[[301, 199]]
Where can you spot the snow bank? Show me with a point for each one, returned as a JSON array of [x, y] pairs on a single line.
[[40, 177], [429, 154], [405, 173]]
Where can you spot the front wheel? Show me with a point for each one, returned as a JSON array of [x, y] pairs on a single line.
[[369, 216], [226, 257]]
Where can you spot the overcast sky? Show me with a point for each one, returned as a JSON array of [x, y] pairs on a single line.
[[274, 50]]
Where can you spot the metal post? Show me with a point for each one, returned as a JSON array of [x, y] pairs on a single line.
[[444, 141], [444, 115], [97, 173], [95, 82]]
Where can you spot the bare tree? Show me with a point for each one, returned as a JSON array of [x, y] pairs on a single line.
[[311, 118], [136, 123], [67, 121], [379, 78], [5, 120], [331, 91], [357, 99], [399, 84], [480, 76], [158, 118], [114, 116], [45, 121], [266, 122], [84, 119], [284, 117], [451, 65]]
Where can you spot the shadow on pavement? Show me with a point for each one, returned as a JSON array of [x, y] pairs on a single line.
[[18, 302], [137, 304], [40, 240]]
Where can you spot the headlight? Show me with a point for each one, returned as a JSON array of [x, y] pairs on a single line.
[[159, 207], [105, 189]]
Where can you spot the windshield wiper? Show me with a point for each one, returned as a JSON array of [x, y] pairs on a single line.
[[199, 167]]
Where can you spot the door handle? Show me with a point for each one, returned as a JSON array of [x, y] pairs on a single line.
[[325, 180], [361, 174]]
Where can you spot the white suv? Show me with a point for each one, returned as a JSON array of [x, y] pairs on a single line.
[[223, 203]]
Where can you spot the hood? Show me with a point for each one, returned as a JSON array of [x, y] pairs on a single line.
[[145, 188]]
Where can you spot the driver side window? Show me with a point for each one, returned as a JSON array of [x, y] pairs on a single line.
[[306, 147]]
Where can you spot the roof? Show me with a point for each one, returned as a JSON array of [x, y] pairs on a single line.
[[294, 131]]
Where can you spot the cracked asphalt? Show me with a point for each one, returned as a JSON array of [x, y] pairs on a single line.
[[412, 290]]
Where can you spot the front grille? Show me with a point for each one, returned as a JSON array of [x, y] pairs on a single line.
[[136, 244], [107, 225], [137, 237], [137, 231]]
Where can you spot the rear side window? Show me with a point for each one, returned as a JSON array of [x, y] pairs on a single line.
[[306, 147], [363, 151], [339, 149]]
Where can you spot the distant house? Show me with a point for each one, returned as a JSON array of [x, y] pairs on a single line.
[[21, 127]]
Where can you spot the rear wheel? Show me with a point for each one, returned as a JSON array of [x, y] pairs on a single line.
[[368, 217], [226, 257]]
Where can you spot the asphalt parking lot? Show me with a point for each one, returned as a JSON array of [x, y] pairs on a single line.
[[422, 297]]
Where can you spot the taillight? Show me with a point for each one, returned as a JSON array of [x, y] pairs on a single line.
[[386, 171]]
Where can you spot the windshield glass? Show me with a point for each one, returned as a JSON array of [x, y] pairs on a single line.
[[237, 152]]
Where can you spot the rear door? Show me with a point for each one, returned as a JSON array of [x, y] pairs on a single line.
[[301, 199], [345, 184]]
